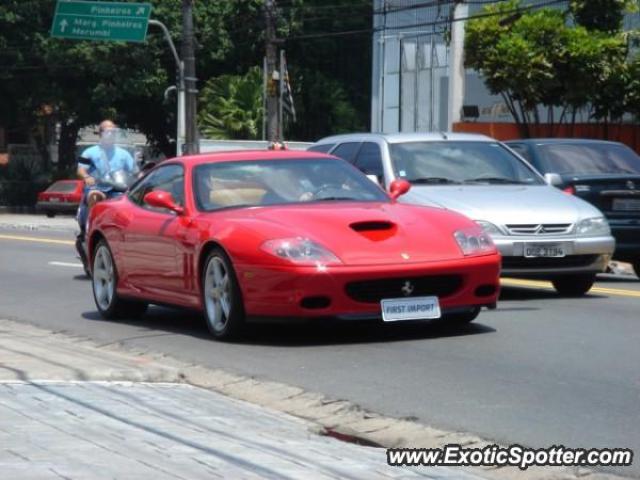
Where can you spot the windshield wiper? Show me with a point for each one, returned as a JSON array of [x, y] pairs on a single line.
[[428, 180], [495, 180], [333, 199]]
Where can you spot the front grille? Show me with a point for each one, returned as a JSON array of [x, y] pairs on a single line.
[[372, 291], [566, 262], [539, 228]]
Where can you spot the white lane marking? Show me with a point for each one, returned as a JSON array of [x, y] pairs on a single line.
[[66, 264]]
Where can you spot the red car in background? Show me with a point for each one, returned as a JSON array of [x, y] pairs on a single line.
[[268, 235], [62, 196]]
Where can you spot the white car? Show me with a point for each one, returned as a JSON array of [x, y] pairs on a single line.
[[540, 231]]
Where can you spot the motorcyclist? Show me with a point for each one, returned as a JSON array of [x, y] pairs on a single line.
[[94, 166], [96, 162]]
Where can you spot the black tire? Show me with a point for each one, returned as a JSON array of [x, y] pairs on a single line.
[[574, 285], [636, 267], [103, 284], [50, 214], [221, 299], [463, 317]]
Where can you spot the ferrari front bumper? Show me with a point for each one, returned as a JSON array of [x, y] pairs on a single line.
[[311, 292]]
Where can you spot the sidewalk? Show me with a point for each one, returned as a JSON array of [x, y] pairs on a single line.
[[71, 410], [20, 221]]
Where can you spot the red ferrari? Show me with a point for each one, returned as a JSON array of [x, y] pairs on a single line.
[[265, 235]]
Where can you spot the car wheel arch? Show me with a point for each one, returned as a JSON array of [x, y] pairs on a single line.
[[93, 241], [204, 253]]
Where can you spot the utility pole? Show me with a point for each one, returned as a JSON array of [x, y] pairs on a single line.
[[272, 71], [192, 143], [456, 63]]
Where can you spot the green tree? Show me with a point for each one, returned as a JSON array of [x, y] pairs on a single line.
[[540, 60], [602, 15]]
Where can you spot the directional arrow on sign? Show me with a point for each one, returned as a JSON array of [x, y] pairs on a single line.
[[63, 25]]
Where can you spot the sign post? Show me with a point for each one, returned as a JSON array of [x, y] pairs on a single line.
[[114, 21]]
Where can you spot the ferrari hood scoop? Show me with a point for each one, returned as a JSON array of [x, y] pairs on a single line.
[[372, 225], [375, 230]]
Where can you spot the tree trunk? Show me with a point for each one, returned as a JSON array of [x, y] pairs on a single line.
[[67, 145]]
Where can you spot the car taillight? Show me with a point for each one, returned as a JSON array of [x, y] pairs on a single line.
[[570, 190]]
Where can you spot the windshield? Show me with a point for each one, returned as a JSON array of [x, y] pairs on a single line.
[[452, 162], [277, 182], [591, 158]]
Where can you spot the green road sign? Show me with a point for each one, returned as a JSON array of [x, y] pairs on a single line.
[[116, 21]]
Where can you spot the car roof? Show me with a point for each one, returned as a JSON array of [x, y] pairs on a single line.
[[566, 140], [243, 155], [408, 137]]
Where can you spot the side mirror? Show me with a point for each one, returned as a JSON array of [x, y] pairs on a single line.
[[553, 179], [162, 199], [398, 187]]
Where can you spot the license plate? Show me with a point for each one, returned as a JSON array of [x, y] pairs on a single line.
[[414, 308], [535, 250], [626, 204], [54, 200]]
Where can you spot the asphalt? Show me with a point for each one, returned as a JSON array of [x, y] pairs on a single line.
[[541, 370]]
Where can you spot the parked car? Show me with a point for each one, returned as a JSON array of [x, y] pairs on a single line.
[[62, 196], [284, 234], [540, 231], [606, 174]]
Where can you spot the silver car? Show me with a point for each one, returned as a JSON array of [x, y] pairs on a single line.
[[540, 231]]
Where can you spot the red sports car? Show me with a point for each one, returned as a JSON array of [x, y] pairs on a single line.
[[281, 234], [62, 196]]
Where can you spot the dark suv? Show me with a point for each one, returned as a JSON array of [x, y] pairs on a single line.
[[607, 174]]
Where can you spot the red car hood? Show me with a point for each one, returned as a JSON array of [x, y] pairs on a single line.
[[358, 233]]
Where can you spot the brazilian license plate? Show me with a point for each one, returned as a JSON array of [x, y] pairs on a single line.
[[545, 250]]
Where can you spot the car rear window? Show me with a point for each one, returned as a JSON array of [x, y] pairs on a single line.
[[62, 187], [592, 158]]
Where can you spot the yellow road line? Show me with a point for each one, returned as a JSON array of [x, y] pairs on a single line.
[[513, 282], [36, 239]]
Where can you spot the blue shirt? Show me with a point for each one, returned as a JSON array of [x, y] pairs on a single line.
[[99, 161]]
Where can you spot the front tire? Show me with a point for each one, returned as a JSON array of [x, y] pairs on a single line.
[[104, 281], [574, 285], [221, 297]]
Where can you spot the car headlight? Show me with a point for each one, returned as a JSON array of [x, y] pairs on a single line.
[[593, 226], [300, 251], [489, 227], [474, 241]]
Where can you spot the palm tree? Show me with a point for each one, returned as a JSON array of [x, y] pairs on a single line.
[[231, 106]]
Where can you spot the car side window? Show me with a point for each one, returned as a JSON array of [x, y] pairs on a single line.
[[369, 160], [347, 151], [323, 148], [169, 178]]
